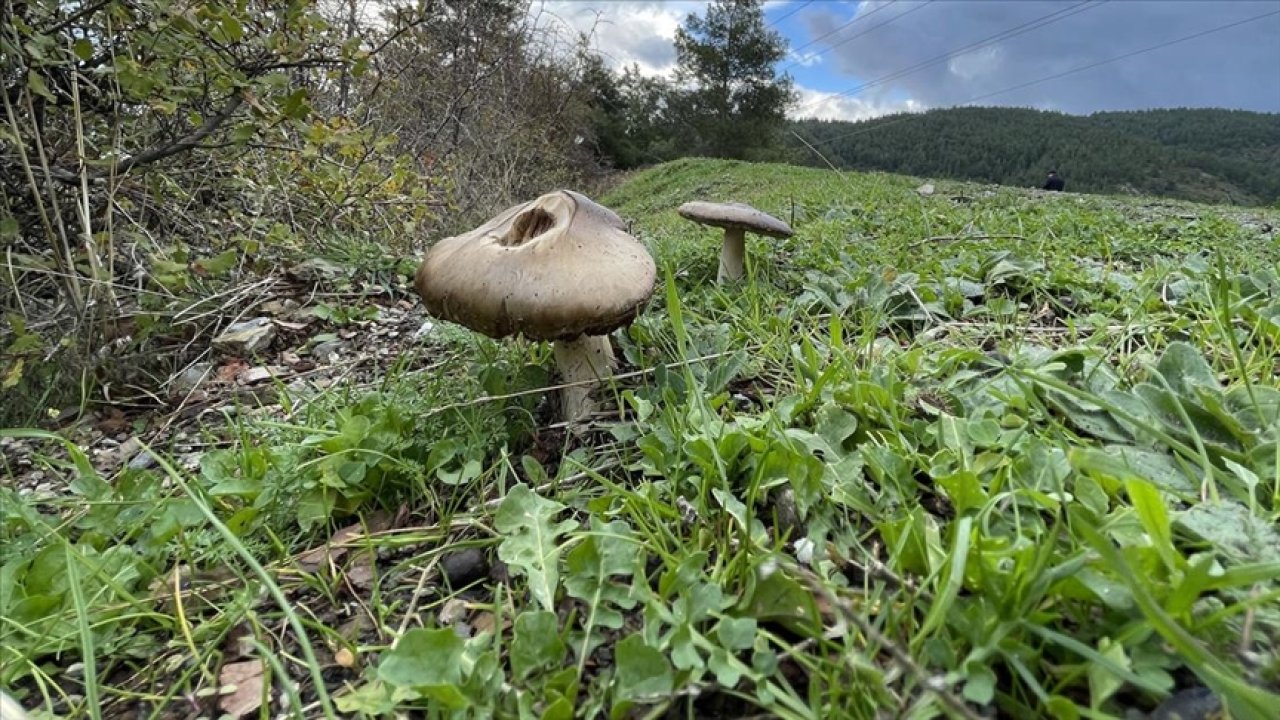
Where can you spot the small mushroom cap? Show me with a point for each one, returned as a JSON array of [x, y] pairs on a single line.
[[735, 215], [553, 268]]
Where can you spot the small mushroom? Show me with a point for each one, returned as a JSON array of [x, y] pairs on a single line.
[[736, 219], [560, 268]]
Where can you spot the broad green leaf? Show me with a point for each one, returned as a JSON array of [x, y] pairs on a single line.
[[1123, 461], [537, 643], [1184, 368], [530, 543], [964, 490], [1232, 530], [836, 425], [429, 662], [640, 672], [777, 597]]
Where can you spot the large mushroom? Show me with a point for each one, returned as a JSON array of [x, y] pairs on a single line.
[[561, 268], [736, 219]]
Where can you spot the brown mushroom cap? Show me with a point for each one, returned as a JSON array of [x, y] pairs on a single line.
[[735, 215], [553, 268]]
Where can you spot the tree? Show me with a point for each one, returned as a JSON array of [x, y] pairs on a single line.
[[629, 122], [729, 94]]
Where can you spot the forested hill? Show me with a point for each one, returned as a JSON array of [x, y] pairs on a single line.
[[1208, 155]]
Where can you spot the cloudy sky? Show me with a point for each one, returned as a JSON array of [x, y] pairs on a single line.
[[861, 58]]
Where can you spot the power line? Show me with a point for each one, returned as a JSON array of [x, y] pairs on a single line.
[[864, 32], [793, 12], [1029, 26], [855, 19], [1072, 71]]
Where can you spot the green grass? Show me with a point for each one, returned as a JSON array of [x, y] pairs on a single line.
[[982, 452]]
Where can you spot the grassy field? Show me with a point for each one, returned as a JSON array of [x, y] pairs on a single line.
[[981, 452]]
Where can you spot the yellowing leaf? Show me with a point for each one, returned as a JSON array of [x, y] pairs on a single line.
[[14, 374], [36, 83]]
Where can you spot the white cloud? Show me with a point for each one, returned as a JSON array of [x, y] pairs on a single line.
[[832, 106], [976, 63], [809, 59], [641, 32]]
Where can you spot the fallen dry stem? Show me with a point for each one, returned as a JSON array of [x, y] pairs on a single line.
[[620, 376], [952, 238]]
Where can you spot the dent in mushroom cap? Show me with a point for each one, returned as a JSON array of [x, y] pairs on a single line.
[[553, 268], [735, 215]]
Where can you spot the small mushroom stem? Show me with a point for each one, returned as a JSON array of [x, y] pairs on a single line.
[[731, 252], [582, 359]]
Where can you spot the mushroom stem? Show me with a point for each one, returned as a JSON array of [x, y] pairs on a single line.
[[584, 358], [731, 253]]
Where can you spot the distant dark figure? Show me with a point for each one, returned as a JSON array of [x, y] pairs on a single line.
[[1054, 182]]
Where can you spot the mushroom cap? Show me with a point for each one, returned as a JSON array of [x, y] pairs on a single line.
[[552, 268], [735, 215]]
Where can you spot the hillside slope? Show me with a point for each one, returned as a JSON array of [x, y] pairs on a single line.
[[1206, 155]]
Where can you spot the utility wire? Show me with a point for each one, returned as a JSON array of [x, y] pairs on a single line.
[[864, 32], [793, 12], [1029, 26], [1055, 76], [855, 19]]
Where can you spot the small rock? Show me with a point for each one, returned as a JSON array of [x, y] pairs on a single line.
[[142, 461], [453, 610], [316, 270], [804, 551], [279, 307], [423, 330], [327, 352], [925, 190], [787, 513], [191, 378], [464, 567], [484, 622], [253, 375], [1196, 703], [246, 337]]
